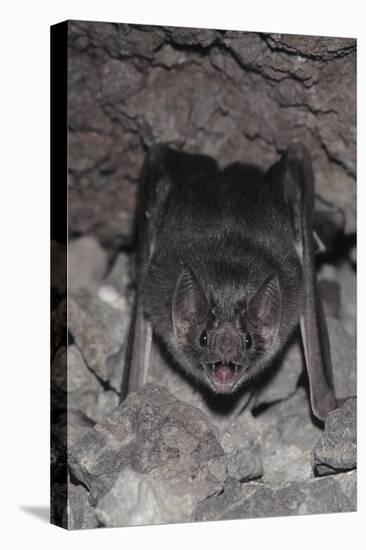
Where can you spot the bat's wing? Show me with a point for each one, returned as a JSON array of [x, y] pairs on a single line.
[[163, 170], [295, 173]]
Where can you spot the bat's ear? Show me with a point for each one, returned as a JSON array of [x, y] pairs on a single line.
[[264, 308], [190, 304]]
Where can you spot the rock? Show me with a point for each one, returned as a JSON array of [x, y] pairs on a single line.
[[80, 514], [82, 385], [239, 500], [288, 438], [138, 499], [99, 328], [281, 380], [319, 496], [343, 352], [87, 263], [107, 214], [192, 37], [240, 442], [252, 500], [124, 85], [348, 483], [69, 427], [151, 433], [76, 387], [337, 447]]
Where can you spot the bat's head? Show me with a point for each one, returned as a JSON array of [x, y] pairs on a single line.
[[225, 350]]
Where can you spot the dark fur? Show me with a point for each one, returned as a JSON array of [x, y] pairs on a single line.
[[234, 228]]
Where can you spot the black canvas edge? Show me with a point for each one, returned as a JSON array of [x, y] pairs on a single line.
[[59, 233]]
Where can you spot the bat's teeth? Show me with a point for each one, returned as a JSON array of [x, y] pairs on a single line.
[[213, 366], [236, 368]]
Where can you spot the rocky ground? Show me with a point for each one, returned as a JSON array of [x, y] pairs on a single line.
[[163, 455], [166, 454]]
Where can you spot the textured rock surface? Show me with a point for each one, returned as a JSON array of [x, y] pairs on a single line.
[[288, 438], [80, 513], [133, 86], [99, 325], [138, 499], [252, 500], [155, 434], [86, 262], [282, 379], [343, 351], [240, 442], [336, 448], [153, 459]]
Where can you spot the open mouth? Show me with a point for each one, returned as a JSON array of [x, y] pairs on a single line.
[[223, 375]]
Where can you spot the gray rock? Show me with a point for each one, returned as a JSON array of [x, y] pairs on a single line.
[[337, 447], [239, 500], [99, 327], [319, 496], [139, 499], [343, 352], [87, 263], [252, 500], [348, 483], [76, 387], [240, 442], [125, 82], [80, 514], [70, 427], [152, 433], [288, 438], [281, 381]]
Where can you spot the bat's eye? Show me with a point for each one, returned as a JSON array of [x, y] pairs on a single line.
[[248, 341], [203, 339]]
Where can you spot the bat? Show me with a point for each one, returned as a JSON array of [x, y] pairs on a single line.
[[226, 272]]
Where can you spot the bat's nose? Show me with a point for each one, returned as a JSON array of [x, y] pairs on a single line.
[[227, 343]]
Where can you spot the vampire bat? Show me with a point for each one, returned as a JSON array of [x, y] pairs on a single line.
[[226, 271]]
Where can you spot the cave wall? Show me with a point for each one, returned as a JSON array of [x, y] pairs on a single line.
[[237, 96]]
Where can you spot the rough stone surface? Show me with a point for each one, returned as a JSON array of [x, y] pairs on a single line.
[[133, 86], [138, 499], [76, 387], [80, 514], [288, 438], [343, 352], [282, 379], [240, 442], [155, 434], [337, 446], [86, 262], [252, 500], [99, 326], [155, 459]]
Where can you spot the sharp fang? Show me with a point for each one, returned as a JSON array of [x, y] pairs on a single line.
[[213, 366], [236, 368]]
